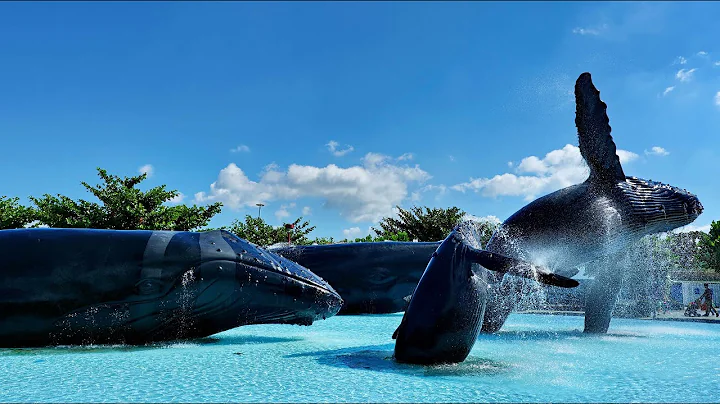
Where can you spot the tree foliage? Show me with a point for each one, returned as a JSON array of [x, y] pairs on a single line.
[[123, 207], [256, 230], [422, 225], [709, 248], [13, 215]]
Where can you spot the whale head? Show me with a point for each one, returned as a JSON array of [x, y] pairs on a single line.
[[135, 287], [659, 207]]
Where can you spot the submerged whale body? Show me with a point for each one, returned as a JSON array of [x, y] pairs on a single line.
[[589, 221], [91, 286], [371, 278], [443, 319]]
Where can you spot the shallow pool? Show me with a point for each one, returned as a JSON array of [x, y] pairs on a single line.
[[348, 359]]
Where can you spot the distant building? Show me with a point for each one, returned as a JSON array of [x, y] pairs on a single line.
[[687, 286]]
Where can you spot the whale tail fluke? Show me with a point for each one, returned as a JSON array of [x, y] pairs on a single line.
[[512, 266]]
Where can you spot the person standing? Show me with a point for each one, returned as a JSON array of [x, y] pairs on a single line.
[[708, 295]]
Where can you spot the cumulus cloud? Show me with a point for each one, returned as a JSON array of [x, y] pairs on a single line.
[[657, 151], [702, 53], [177, 198], [306, 211], [685, 75], [240, 148], [717, 63], [147, 169], [668, 90], [717, 99], [680, 60], [283, 212], [364, 192], [558, 169], [333, 148], [406, 156], [352, 232]]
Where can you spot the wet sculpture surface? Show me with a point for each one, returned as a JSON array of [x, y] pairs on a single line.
[[445, 313], [372, 278], [593, 220], [83, 286]]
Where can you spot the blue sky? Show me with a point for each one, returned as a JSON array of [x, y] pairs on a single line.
[[343, 110]]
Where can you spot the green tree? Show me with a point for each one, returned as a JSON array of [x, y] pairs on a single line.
[[13, 215], [256, 230], [709, 248], [422, 225], [123, 207]]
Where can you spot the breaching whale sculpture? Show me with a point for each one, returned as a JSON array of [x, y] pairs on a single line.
[[445, 313], [373, 278], [90, 286], [588, 221]]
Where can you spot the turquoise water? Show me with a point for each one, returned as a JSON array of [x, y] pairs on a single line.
[[347, 359]]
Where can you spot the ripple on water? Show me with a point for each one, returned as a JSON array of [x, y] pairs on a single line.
[[535, 358]]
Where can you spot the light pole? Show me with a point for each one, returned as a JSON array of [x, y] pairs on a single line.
[[259, 205]]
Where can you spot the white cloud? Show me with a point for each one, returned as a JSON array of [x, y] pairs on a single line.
[[333, 148], [406, 156], [668, 90], [240, 148], [306, 211], [717, 63], [657, 151], [680, 61], [717, 99], [586, 31], [558, 169], [510, 164], [147, 169], [177, 198], [693, 227], [283, 212], [352, 232], [685, 75], [360, 193], [702, 53]]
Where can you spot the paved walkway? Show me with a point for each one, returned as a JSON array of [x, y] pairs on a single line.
[[674, 315]]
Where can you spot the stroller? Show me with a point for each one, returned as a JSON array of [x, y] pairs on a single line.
[[692, 310]]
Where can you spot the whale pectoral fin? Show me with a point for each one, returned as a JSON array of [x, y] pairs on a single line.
[[501, 263], [596, 144]]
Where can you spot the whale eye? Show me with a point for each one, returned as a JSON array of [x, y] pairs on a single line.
[[148, 287]]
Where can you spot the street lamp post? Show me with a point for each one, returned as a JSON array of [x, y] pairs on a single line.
[[259, 205]]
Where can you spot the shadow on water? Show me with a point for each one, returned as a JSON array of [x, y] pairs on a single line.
[[379, 358], [98, 349]]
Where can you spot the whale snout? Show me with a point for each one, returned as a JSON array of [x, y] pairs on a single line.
[[693, 207]]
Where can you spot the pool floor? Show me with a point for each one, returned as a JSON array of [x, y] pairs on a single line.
[[348, 359]]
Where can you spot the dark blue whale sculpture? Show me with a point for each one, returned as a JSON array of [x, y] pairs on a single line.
[[443, 320], [585, 222], [372, 278], [89, 286]]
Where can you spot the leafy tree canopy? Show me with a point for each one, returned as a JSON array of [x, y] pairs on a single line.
[[13, 215], [709, 248], [256, 230], [123, 207], [421, 224]]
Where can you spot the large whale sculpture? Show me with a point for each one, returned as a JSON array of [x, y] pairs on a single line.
[[374, 278], [588, 221], [445, 313], [89, 286]]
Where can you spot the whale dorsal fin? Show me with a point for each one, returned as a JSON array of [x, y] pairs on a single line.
[[596, 144]]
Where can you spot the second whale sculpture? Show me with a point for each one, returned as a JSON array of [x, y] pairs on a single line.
[[593, 220], [91, 286], [443, 319], [371, 278]]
